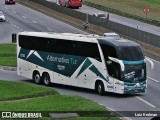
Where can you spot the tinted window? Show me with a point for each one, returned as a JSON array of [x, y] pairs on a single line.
[[70, 47], [130, 53], [108, 51]]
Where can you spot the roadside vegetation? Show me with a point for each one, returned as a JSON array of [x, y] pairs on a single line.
[[20, 90], [20, 96], [133, 6], [8, 55]]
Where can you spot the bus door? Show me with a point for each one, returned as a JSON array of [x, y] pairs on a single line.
[[110, 84], [115, 68], [114, 73], [116, 85]]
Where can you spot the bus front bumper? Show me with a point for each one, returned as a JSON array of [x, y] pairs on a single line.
[[134, 88]]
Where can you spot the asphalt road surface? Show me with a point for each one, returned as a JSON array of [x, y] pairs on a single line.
[[20, 18], [119, 19]]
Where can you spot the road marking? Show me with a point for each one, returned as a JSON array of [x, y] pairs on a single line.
[[14, 11], [49, 29], [114, 111], [153, 79], [145, 102], [5, 7], [34, 22], [15, 25], [24, 17]]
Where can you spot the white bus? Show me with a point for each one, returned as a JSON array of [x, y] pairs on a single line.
[[87, 61]]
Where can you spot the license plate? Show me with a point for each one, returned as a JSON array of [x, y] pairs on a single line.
[[135, 91]]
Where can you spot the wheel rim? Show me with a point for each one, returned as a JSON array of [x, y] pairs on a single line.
[[37, 78], [46, 80], [99, 88]]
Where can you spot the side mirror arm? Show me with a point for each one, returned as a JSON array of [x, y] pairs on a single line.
[[151, 62], [118, 61]]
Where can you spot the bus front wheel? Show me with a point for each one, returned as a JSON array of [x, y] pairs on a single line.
[[100, 88], [37, 77], [46, 79]]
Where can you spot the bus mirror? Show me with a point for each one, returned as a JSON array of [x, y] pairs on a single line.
[[118, 61], [151, 63]]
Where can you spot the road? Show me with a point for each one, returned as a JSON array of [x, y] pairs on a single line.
[[119, 19], [20, 18]]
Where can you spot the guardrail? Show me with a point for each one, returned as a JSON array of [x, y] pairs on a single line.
[[122, 13], [135, 33]]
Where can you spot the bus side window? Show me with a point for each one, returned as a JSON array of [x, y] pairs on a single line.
[[86, 49]]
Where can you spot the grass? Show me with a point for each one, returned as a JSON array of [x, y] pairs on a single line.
[[133, 6], [8, 54], [52, 103], [21, 90], [22, 97]]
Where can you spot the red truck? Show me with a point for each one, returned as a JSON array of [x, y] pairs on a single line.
[[71, 3], [10, 1]]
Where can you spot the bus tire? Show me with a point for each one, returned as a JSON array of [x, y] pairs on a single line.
[[100, 88], [46, 79], [37, 77]]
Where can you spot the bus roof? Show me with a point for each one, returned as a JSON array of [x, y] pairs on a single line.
[[117, 42], [64, 36]]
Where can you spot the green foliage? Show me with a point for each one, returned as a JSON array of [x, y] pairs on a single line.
[[20, 90], [8, 49], [8, 55], [20, 96], [52, 103], [8, 61]]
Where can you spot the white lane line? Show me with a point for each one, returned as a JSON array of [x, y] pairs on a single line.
[[24, 17], [15, 25], [34, 22], [14, 11], [5, 7], [153, 79], [49, 29], [114, 111], [146, 102]]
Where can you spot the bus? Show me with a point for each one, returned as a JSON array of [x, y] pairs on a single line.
[[87, 61], [71, 3]]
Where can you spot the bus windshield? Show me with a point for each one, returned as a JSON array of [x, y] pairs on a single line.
[[130, 53], [133, 59], [134, 73]]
